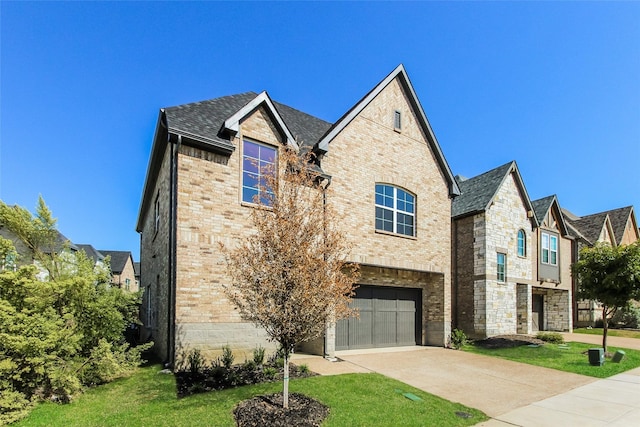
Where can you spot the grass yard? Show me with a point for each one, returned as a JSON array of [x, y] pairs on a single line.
[[611, 332], [149, 399], [569, 359]]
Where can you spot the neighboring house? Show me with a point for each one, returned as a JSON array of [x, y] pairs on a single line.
[[552, 299], [122, 270], [614, 227], [92, 253], [389, 180], [25, 255], [494, 252], [136, 269]]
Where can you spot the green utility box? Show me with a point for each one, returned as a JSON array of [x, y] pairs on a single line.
[[618, 356], [596, 356]]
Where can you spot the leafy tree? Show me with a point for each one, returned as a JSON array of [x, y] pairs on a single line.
[[290, 277], [59, 331], [610, 275]]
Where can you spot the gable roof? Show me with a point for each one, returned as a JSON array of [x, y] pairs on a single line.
[[478, 192], [118, 259], [619, 218], [541, 207], [403, 78], [91, 252], [590, 226]]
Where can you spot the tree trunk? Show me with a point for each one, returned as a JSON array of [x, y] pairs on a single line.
[[605, 327], [285, 392]]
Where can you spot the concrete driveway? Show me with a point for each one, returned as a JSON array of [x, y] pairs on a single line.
[[492, 385]]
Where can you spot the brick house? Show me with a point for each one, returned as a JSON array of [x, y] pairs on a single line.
[[494, 252], [614, 227], [122, 269], [390, 181]]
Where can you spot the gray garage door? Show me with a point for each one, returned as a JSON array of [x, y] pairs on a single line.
[[389, 317]]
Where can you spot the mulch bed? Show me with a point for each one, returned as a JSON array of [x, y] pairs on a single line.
[[267, 411], [508, 341]]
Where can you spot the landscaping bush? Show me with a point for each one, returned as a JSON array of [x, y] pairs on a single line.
[[222, 374], [627, 317], [550, 337], [458, 339], [61, 332]]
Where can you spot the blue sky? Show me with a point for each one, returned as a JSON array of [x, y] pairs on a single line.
[[552, 85]]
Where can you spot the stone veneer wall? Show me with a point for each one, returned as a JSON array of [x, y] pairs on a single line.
[[506, 215], [557, 310], [524, 306], [463, 272]]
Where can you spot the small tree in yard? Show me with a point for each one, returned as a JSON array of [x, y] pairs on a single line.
[[610, 275], [290, 277]]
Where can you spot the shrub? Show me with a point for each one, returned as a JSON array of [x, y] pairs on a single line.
[[258, 355], [270, 372], [303, 369], [627, 317], [550, 337], [458, 339], [227, 357]]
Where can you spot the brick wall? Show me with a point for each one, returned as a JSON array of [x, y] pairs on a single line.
[[370, 151]]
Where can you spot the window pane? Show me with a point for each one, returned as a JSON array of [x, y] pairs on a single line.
[[545, 256], [248, 194], [554, 243], [267, 154], [251, 150], [249, 180], [554, 259], [250, 165], [400, 206]]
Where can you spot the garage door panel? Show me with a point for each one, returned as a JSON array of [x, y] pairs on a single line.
[[388, 317], [384, 329], [360, 334]]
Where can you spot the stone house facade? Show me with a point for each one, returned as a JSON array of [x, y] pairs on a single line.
[[389, 180], [493, 278]]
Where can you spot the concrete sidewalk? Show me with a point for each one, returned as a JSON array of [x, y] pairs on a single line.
[[512, 394]]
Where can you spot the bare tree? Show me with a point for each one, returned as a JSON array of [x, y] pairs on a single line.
[[291, 276]]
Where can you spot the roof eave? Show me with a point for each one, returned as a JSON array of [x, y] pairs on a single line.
[[232, 124]]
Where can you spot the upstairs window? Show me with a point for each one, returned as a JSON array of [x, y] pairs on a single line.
[[395, 210], [258, 162], [397, 120], [502, 267], [522, 243], [156, 214], [549, 249]]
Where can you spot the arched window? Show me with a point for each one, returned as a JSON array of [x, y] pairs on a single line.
[[395, 210], [522, 243]]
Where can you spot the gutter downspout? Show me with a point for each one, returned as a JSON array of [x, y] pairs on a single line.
[[329, 348], [173, 203]]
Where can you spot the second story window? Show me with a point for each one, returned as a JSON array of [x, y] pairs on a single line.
[[156, 215], [258, 162], [522, 243], [397, 120], [395, 210], [549, 249], [502, 267]]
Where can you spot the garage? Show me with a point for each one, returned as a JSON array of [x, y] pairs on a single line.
[[389, 317]]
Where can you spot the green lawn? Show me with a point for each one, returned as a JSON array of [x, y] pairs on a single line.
[[611, 332], [569, 359], [149, 399]]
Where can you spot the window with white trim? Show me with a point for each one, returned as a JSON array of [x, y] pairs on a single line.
[[258, 162], [522, 243], [549, 249], [395, 210], [502, 267]]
